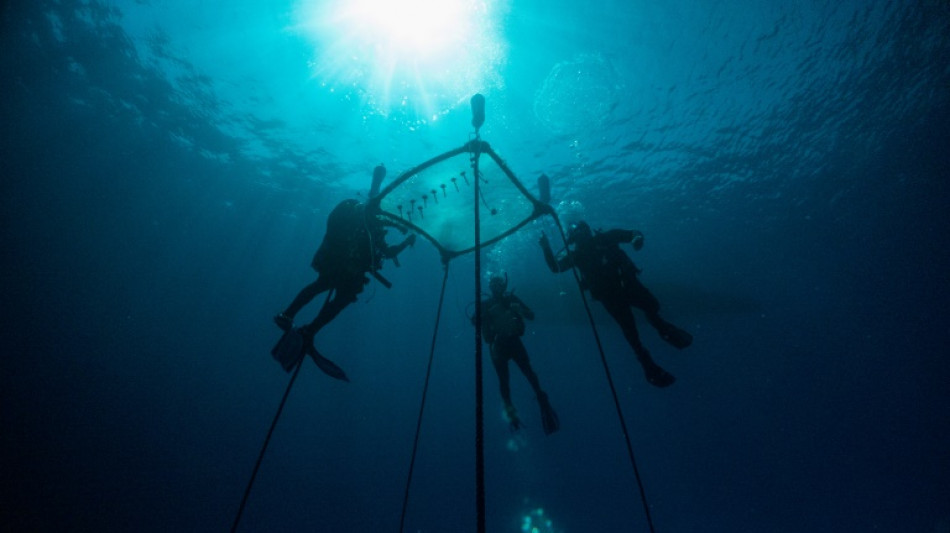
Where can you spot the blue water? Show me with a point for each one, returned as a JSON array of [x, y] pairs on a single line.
[[167, 168]]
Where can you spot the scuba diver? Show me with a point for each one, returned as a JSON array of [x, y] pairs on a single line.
[[502, 328], [611, 277], [354, 245]]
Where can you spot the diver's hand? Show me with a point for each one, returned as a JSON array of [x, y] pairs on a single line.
[[411, 239], [637, 240], [543, 241]]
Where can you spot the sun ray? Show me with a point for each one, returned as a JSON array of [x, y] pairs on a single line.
[[415, 58]]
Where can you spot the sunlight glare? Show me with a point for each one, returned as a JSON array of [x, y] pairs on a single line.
[[421, 27], [412, 58]]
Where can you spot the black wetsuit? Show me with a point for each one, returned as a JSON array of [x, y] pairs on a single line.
[[353, 246], [612, 279], [502, 328]]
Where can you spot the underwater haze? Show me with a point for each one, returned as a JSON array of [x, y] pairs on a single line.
[[167, 171]]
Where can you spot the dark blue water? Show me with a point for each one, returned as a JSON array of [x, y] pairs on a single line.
[[166, 174]]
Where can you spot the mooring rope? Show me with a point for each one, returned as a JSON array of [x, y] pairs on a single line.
[[273, 424], [422, 404], [613, 389], [479, 396], [260, 457]]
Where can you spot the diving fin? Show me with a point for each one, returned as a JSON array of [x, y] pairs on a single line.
[[289, 349], [327, 366], [676, 337], [549, 418], [656, 376]]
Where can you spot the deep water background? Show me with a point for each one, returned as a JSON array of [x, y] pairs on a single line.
[[164, 188]]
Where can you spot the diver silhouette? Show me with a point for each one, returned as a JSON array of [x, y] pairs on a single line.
[[502, 328], [354, 245], [611, 277]]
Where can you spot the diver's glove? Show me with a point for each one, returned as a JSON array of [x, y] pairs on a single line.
[[637, 240], [392, 251], [543, 241]]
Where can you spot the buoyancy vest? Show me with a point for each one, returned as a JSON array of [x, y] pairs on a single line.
[[347, 246], [605, 268], [500, 319]]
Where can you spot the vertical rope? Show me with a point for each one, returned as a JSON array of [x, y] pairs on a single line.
[[260, 457], [613, 392], [479, 407], [422, 405]]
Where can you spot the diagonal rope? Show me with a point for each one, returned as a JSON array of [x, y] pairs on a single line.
[[273, 424], [613, 389], [422, 405], [260, 457]]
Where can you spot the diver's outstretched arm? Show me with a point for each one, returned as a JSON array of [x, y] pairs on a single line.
[[625, 235], [390, 252]]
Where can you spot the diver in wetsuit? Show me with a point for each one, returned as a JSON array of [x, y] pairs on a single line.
[[354, 245], [502, 328], [611, 277]]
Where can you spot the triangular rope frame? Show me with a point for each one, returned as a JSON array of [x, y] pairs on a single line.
[[476, 148]]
